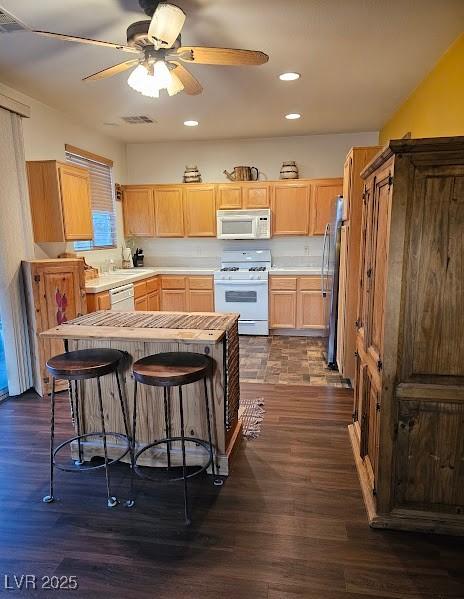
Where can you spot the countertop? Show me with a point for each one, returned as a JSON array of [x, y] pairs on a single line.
[[185, 327], [123, 277]]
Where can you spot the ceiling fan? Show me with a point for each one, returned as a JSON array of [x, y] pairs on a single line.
[[160, 59]]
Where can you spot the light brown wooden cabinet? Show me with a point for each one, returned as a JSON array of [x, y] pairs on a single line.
[[200, 210], [290, 208], [98, 301], [229, 196], [409, 390], [55, 293], [59, 195], [187, 294], [138, 211], [256, 195], [297, 303], [169, 212], [323, 193], [350, 244]]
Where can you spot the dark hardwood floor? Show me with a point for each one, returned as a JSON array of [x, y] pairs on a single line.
[[288, 523]]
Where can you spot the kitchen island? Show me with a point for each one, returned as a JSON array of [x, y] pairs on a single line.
[[140, 334]]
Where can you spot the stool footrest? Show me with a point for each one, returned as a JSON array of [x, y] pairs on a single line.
[[126, 450]]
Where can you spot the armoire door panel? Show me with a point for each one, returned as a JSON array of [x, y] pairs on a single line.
[[435, 277]]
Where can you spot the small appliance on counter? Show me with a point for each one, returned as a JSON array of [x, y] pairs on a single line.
[[127, 260], [242, 286], [138, 257]]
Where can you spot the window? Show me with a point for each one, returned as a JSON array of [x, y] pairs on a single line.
[[102, 198]]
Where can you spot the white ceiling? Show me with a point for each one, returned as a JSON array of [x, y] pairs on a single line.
[[358, 59]]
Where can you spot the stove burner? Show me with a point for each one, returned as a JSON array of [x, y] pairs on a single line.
[[229, 268], [257, 268]]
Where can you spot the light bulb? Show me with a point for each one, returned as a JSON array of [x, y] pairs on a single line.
[[161, 75], [138, 78]]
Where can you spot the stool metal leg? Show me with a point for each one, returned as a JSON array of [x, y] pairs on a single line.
[[80, 461], [112, 501], [49, 498], [123, 407], [167, 422], [217, 481], [184, 468], [131, 501]]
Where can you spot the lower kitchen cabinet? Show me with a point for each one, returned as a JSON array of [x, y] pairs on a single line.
[[174, 300], [98, 301], [297, 303], [282, 310], [200, 301], [154, 302], [141, 303]]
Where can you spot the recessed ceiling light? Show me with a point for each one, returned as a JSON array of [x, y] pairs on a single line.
[[293, 116], [191, 123], [289, 76]]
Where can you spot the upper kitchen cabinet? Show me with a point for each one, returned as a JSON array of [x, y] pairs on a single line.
[[138, 210], [200, 210], [323, 193], [169, 217], [229, 196], [59, 196], [290, 207], [256, 195]]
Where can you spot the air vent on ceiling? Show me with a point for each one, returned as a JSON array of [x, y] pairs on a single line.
[[8, 23], [137, 120]]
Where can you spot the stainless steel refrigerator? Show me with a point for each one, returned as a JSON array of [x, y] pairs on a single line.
[[330, 275]]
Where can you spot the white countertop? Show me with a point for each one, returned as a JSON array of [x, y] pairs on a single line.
[[131, 275]]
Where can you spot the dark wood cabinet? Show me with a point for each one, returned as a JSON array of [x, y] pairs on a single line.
[[408, 415]]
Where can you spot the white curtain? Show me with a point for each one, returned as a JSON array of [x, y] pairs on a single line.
[[16, 244]]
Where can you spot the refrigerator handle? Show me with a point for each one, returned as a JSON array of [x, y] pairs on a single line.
[[326, 233]]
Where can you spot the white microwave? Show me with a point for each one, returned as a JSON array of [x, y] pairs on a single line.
[[244, 224]]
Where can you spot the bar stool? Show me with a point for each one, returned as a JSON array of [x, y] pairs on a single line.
[[167, 370], [76, 366]]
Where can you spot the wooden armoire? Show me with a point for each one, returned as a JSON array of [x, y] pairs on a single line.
[[55, 291], [408, 417]]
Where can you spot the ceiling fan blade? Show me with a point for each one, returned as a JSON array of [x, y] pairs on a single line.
[[110, 71], [221, 56], [166, 25], [85, 40], [192, 87]]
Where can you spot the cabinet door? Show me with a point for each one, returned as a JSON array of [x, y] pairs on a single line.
[[323, 194], [282, 310], [153, 301], [290, 208], [200, 211], [103, 301], [256, 195], [312, 310], [229, 196], [363, 263], [200, 300], [138, 211], [141, 303], [342, 300], [169, 219], [75, 202], [174, 300], [377, 263], [347, 179], [370, 426]]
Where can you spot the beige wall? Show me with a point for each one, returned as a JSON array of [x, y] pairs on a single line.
[[45, 134], [316, 156]]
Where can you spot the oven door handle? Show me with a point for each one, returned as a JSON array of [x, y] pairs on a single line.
[[231, 283]]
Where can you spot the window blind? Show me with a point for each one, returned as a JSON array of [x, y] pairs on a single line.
[[102, 200]]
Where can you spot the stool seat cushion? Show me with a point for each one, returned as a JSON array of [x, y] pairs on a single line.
[[84, 363], [172, 369]]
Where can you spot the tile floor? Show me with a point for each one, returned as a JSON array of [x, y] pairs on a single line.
[[286, 361]]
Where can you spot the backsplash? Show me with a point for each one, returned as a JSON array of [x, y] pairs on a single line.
[[286, 251]]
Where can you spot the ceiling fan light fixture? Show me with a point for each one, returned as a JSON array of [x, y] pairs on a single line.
[[176, 85], [166, 24], [161, 75]]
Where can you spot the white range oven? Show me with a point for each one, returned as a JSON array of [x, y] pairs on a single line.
[[244, 224], [242, 286]]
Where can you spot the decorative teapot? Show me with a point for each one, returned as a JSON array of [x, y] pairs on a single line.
[[243, 173]]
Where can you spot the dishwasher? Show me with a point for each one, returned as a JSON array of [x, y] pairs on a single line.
[[122, 298]]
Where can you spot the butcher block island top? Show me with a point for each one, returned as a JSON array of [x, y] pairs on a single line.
[[196, 327], [139, 334]]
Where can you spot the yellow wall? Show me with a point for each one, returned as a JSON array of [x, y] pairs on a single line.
[[436, 107]]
